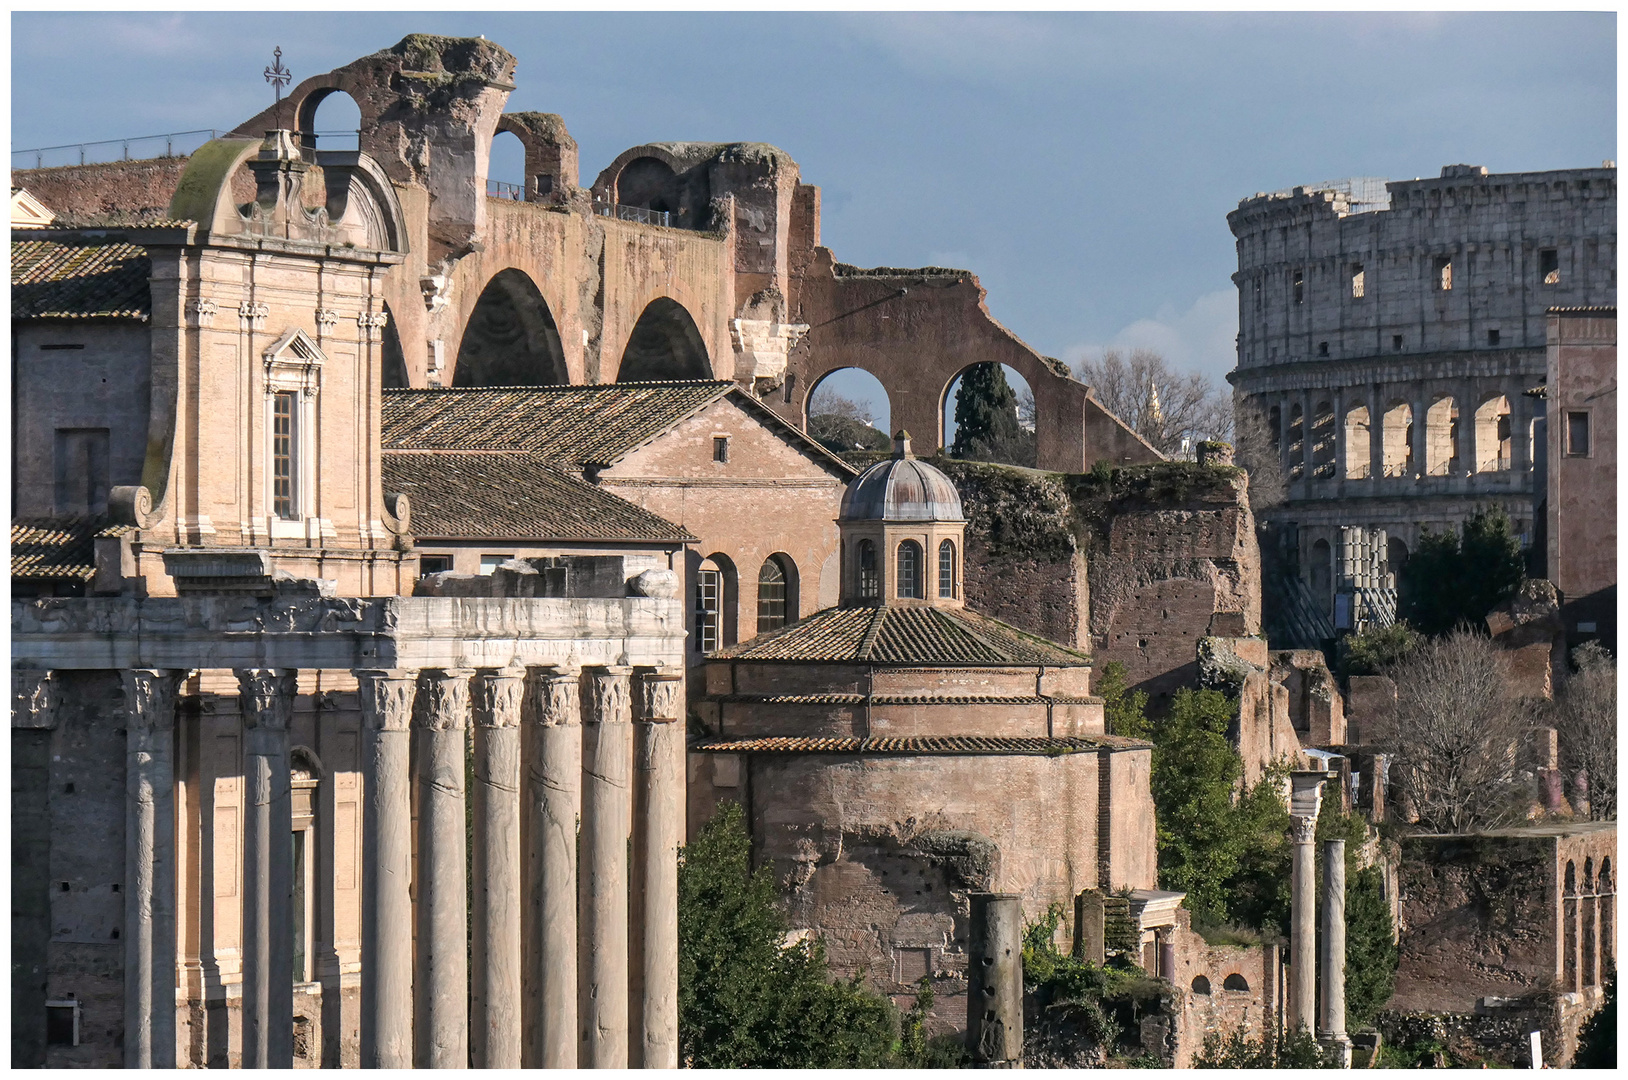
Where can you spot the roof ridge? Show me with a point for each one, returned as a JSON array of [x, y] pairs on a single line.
[[872, 632], [559, 387]]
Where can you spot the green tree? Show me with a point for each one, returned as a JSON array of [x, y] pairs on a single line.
[[1453, 578], [1370, 953], [986, 419], [1195, 772], [1373, 651], [745, 998], [1124, 709], [1236, 1050]]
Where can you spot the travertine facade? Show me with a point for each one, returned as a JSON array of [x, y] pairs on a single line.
[[1388, 333]]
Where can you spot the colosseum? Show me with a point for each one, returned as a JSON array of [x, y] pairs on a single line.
[[1391, 335]]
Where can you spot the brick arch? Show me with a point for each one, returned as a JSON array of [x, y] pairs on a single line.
[[664, 324], [510, 337], [470, 279]]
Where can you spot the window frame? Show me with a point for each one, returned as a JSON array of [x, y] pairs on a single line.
[[1572, 417], [867, 578], [292, 365], [948, 579], [720, 449], [767, 624], [708, 620], [911, 577]]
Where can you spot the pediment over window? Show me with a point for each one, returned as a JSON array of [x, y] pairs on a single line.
[[293, 362]]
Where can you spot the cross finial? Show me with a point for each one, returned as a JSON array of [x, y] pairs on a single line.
[[277, 75]]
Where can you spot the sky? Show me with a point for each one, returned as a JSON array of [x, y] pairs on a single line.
[[1081, 164]]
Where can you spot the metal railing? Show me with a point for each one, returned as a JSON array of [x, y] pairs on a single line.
[[637, 213], [95, 153], [334, 140], [497, 189]]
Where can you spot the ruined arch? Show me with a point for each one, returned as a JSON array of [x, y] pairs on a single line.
[[664, 345], [1201, 985], [836, 429], [1441, 437], [506, 166], [330, 119], [1021, 449], [648, 183], [1494, 435], [1235, 981], [392, 360], [510, 338], [1396, 434]]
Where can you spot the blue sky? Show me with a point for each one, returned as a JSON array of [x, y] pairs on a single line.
[[1082, 165]]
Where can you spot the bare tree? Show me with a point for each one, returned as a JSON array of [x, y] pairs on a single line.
[[1256, 450], [1173, 410], [842, 424], [1584, 713], [1454, 731]]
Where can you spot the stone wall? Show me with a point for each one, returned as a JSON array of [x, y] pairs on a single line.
[[1222, 988], [123, 191]]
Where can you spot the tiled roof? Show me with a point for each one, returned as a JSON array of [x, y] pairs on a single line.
[[904, 635], [54, 280], [903, 699], [511, 495], [57, 548], [943, 744], [586, 425]]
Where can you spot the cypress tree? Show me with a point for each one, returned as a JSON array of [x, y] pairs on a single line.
[[986, 419]]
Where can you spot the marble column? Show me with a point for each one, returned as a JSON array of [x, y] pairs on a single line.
[[1305, 800], [607, 811], [496, 949], [441, 970], [387, 869], [1332, 1029], [266, 699], [553, 804], [149, 868], [659, 820], [995, 980]]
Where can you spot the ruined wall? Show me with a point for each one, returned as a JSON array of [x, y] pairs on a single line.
[[1221, 988], [1172, 558], [115, 191], [1022, 563]]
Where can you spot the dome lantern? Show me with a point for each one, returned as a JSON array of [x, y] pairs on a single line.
[[902, 534]]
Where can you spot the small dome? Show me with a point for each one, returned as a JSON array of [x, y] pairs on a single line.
[[902, 489]]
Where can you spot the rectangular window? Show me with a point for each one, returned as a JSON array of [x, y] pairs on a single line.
[[720, 448], [1492, 338], [434, 564], [62, 1023], [1322, 348], [1359, 282], [1577, 434], [1299, 287], [706, 610], [1260, 293], [1444, 273], [283, 456], [488, 563], [1549, 266], [1396, 342]]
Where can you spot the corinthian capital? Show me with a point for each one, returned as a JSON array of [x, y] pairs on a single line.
[[497, 697], [386, 698], [1303, 830], [612, 698], [662, 698], [554, 696], [266, 697], [149, 698], [443, 700]]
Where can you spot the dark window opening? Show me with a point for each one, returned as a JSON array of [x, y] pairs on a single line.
[[1235, 981], [1299, 287], [60, 346], [433, 564], [720, 448], [1549, 266], [62, 1023], [1396, 342], [1577, 434], [1322, 348], [1492, 337], [1359, 282], [545, 183], [869, 588], [771, 596]]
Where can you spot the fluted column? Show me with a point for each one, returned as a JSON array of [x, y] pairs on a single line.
[[658, 792], [387, 869], [553, 804], [441, 970], [495, 991], [1305, 800], [149, 868], [607, 811], [266, 699], [1333, 1026]]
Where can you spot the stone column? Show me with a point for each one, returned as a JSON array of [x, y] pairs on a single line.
[[1421, 437], [602, 938], [266, 699], [1305, 800], [1307, 456], [659, 803], [149, 868], [495, 992], [553, 804], [1469, 443], [995, 980], [387, 869], [441, 971], [1376, 433], [1284, 408], [1332, 1028]]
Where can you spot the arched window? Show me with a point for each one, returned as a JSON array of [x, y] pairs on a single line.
[[716, 594], [946, 570], [869, 589], [909, 571], [1201, 985], [1235, 981], [771, 595]]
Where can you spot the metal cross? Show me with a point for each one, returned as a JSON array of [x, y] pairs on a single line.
[[277, 75]]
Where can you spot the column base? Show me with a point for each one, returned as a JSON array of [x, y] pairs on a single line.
[[1340, 1043]]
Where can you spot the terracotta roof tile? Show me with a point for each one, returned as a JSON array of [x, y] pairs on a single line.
[[513, 495], [942, 744], [54, 549], [585, 425], [906, 636], [55, 280]]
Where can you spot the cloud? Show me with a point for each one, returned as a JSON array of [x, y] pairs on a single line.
[[1202, 338]]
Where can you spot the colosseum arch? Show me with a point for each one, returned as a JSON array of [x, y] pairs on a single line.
[[665, 344], [1322, 441], [648, 183], [1494, 435], [1358, 443], [510, 338], [1396, 433], [1297, 442], [1441, 437]]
